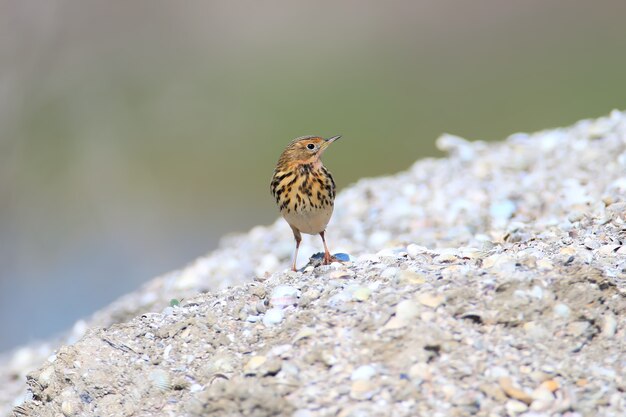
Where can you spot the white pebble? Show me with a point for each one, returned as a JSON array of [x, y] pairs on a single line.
[[284, 296], [363, 372], [273, 316], [413, 250], [561, 310]]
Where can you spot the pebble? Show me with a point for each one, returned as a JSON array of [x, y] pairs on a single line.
[[283, 296], [514, 407], [160, 379], [609, 325], [414, 250], [303, 413], [304, 333], [445, 258], [561, 310], [271, 367], [407, 309], [536, 292], [514, 392], [411, 277], [389, 273], [536, 330], [363, 372], [545, 265], [363, 389], [591, 243], [577, 328], [421, 372], [342, 257], [252, 366], [456, 146], [70, 407], [361, 294], [273, 316], [430, 300]]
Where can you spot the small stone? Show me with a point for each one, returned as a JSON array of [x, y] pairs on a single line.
[[390, 272], [445, 258], [160, 378], [608, 250], [271, 367], [577, 328], [273, 316], [361, 294], [284, 296], [536, 292], [362, 389], [303, 413], [413, 250], [430, 300], [363, 372], [545, 265], [494, 391], [411, 277], [456, 146], [304, 333], [609, 325], [258, 291], [427, 316], [514, 407], [341, 274], [514, 392], [576, 216], [407, 309], [551, 385], [561, 310], [591, 243], [420, 371], [328, 358], [253, 365], [535, 330], [260, 307], [342, 257], [70, 407]]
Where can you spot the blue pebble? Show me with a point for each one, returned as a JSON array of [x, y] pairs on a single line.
[[343, 257]]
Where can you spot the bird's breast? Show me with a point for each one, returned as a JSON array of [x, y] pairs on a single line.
[[303, 189]]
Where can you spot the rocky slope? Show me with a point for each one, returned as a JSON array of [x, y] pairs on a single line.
[[491, 282]]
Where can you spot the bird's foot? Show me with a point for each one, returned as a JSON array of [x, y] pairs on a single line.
[[321, 259]]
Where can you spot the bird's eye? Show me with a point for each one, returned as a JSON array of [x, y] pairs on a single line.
[[310, 146]]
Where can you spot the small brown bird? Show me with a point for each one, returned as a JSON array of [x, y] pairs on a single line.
[[304, 190]]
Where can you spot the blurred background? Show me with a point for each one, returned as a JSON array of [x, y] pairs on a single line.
[[134, 134]]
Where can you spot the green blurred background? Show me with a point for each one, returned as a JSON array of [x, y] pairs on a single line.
[[134, 134]]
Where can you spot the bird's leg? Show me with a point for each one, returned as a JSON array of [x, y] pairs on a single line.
[[298, 237], [327, 257]]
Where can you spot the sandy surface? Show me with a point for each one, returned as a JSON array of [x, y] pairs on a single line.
[[491, 282]]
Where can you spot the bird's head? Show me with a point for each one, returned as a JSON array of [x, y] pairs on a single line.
[[306, 149]]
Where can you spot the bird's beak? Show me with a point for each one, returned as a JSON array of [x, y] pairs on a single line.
[[327, 142]]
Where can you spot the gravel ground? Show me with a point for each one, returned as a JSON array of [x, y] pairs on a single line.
[[489, 283]]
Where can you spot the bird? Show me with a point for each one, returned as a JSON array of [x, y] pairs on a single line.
[[304, 189]]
